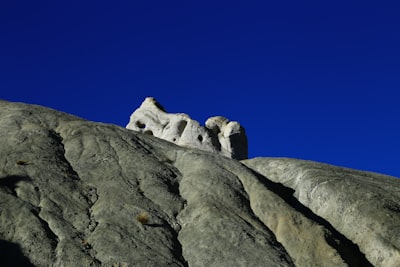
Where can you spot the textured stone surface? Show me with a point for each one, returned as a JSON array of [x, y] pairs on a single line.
[[363, 206], [219, 134], [78, 193]]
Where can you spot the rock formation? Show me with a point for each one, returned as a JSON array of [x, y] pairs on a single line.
[[79, 193], [219, 134]]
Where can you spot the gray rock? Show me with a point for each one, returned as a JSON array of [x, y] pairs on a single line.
[[79, 193], [362, 206], [219, 134]]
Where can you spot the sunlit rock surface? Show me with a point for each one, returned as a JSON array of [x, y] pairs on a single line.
[[218, 135], [79, 193]]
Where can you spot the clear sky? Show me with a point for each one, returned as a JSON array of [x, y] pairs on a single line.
[[315, 80]]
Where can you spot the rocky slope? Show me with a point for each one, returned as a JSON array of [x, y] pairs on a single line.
[[79, 193]]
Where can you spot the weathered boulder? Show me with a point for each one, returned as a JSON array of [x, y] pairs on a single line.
[[79, 193], [219, 134], [363, 206]]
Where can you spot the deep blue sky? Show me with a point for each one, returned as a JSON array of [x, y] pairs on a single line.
[[315, 80]]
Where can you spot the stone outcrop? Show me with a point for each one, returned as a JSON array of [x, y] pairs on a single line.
[[363, 206], [218, 135], [79, 193]]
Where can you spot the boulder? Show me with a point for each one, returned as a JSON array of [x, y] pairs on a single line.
[[218, 135], [79, 193]]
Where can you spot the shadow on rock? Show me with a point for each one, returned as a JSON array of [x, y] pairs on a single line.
[[11, 255], [11, 182], [349, 251]]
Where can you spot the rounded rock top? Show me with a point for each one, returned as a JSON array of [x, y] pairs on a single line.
[[219, 135]]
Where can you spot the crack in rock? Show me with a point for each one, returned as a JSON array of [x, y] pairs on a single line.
[[71, 192]]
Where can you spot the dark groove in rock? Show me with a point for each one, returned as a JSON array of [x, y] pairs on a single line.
[[349, 251], [69, 171], [177, 246], [275, 243], [11, 182], [49, 233]]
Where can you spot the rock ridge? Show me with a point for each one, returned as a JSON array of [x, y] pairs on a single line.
[[79, 193]]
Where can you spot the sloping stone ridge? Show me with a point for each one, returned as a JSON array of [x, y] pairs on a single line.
[[218, 135], [363, 206], [79, 193]]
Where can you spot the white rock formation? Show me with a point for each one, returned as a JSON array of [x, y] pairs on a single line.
[[219, 134]]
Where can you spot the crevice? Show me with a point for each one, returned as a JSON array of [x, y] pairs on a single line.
[[91, 196], [181, 127], [87, 248], [274, 241], [349, 251], [49, 233], [178, 247], [68, 171], [89, 193], [214, 138]]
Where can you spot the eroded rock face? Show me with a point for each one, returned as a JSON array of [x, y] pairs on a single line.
[[78, 193], [363, 206], [219, 134]]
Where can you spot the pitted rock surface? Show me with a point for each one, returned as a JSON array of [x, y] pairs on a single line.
[[218, 135]]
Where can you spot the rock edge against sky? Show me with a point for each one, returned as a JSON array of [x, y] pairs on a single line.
[[79, 193], [218, 135]]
